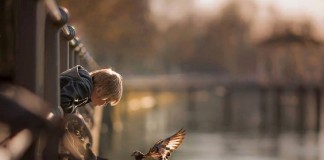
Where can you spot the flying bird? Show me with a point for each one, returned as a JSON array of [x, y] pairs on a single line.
[[163, 148]]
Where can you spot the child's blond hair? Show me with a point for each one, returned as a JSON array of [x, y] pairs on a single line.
[[107, 84]]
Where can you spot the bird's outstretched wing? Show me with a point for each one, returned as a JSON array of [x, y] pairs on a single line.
[[163, 148]]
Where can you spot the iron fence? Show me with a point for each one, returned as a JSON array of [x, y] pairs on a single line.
[[43, 45]]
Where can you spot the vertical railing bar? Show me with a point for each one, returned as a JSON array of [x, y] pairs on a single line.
[[52, 65], [29, 33], [77, 53], [27, 37], [73, 44], [65, 38], [64, 53]]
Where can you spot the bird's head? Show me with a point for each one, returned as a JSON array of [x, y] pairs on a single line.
[[138, 154]]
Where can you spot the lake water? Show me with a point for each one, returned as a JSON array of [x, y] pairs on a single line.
[[236, 146], [144, 118]]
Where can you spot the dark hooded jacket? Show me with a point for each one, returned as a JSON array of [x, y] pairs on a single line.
[[76, 87]]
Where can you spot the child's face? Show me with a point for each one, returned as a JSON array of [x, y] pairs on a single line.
[[96, 101]]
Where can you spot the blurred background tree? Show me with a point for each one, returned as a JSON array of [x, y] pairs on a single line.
[[122, 34], [118, 33]]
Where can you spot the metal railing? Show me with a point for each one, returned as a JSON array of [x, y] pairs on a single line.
[[44, 46]]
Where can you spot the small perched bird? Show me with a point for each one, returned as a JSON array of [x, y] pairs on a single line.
[[163, 148]]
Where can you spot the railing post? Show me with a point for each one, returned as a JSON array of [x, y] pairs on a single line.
[[29, 41], [64, 47], [52, 58], [52, 64], [77, 52], [28, 72], [73, 43]]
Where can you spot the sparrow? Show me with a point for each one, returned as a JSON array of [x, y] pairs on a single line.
[[163, 148]]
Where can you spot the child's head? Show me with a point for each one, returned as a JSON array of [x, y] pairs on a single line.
[[107, 86]]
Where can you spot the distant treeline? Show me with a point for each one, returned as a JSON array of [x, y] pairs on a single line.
[[121, 34]]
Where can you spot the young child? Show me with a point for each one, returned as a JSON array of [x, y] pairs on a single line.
[[78, 87], [100, 87]]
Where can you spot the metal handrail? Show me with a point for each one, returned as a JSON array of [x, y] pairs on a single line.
[[52, 7], [53, 10], [55, 13]]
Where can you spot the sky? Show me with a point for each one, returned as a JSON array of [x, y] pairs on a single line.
[[293, 10]]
